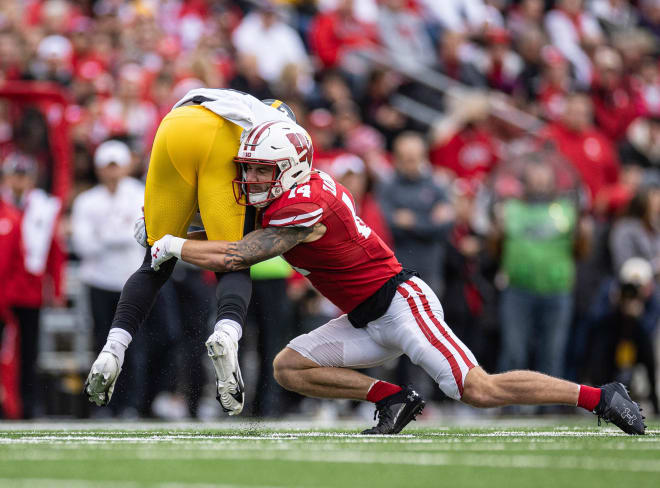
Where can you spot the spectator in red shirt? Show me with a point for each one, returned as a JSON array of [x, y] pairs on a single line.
[[587, 148], [614, 100], [41, 274], [462, 144], [11, 256], [334, 34]]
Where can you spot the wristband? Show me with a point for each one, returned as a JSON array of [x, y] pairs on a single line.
[[176, 245]]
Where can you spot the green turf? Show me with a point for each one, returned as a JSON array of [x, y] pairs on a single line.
[[116, 455]]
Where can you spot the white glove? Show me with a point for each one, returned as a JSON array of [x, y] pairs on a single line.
[[167, 247], [140, 231]]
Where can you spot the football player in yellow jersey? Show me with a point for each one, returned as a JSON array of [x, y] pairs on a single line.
[[191, 169]]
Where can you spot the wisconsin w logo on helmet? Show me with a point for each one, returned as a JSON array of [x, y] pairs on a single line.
[[303, 145], [280, 152]]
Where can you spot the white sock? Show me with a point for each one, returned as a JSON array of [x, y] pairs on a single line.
[[118, 341], [232, 328]]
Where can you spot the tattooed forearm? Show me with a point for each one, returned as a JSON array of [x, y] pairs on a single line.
[[263, 244], [257, 246]]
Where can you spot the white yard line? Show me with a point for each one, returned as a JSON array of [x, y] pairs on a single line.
[[78, 483], [481, 460]]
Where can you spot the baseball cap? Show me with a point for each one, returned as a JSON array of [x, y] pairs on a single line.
[[112, 151], [636, 271], [347, 163], [19, 163], [55, 47]]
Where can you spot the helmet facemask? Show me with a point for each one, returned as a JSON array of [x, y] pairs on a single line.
[[272, 186]]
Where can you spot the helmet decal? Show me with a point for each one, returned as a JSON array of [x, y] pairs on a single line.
[[302, 144]]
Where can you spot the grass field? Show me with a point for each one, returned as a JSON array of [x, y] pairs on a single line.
[[564, 454]]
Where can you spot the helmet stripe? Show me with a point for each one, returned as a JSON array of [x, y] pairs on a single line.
[[253, 132], [255, 136]]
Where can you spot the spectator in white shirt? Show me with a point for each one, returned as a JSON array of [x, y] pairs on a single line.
[[404, 35], [275, 45], [574, 32], [102, 233], [468, 16]]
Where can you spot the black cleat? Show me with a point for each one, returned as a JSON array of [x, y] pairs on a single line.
[[396, 411], [617, 407]]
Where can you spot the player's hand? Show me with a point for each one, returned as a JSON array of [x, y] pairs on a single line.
[[140, 231], [160, 251]]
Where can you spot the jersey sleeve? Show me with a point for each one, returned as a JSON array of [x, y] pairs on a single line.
[[297, 214]]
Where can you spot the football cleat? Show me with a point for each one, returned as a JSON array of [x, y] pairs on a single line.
[[223, 351], [617, 407], [102, 377], [396, 411]]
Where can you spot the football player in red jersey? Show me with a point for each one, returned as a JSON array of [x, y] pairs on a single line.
[[310, 219]]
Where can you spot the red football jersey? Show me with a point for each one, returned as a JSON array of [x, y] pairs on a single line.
[[350, 262]]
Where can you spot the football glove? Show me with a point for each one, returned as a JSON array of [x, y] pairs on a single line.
[[140, 231], [165, 248]]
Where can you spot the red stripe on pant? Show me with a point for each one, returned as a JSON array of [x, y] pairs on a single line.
[[455, 368], [438, 324]]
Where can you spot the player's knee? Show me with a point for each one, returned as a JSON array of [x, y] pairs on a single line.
[[478, 389], [284, 369]]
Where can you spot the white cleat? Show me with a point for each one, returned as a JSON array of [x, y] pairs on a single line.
[[223, 352], [102, 378]]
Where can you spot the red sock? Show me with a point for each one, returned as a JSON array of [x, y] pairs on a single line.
[[588, 397], [380, 390]]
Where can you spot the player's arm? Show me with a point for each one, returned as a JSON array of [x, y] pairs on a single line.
[[257, 246]]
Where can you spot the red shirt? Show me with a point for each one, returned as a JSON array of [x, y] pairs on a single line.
[[590, 152], [330, 35], [614, 110], [28, 288], [350, 262], [11, 253], [469, 154], [552, 99]]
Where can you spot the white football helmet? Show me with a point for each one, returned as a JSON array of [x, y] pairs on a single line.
[[285, 147]]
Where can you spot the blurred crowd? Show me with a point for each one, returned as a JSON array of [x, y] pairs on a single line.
[[508, 150]]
